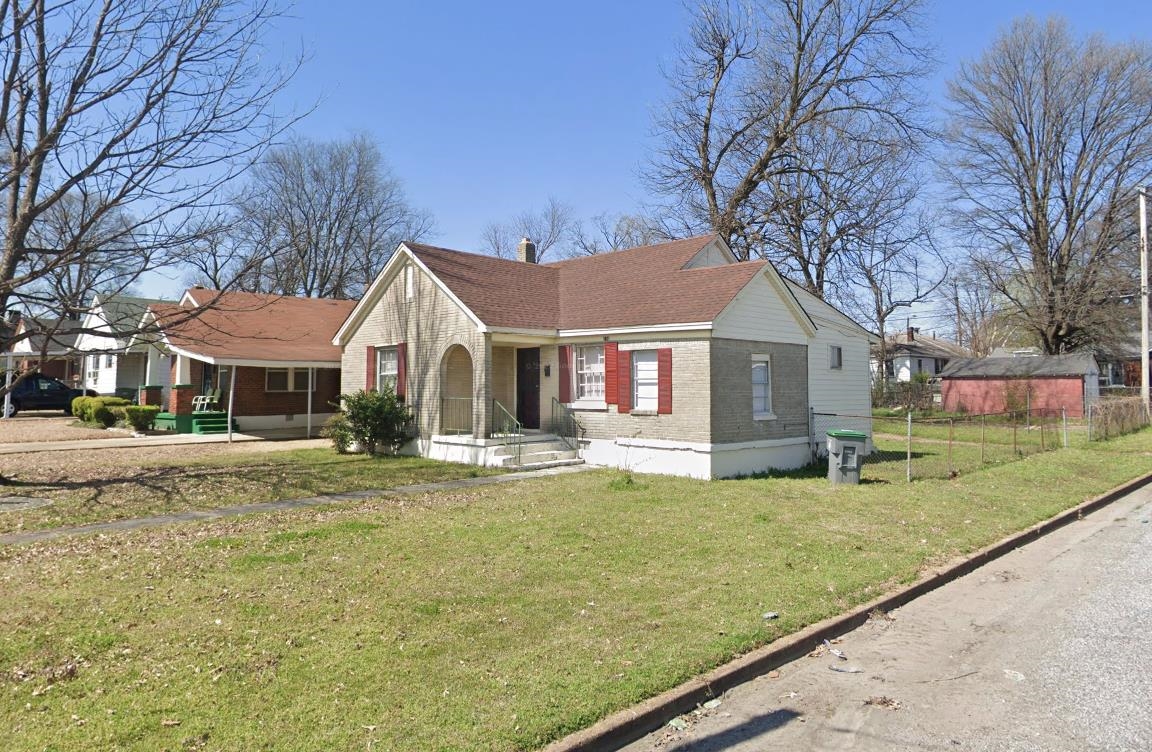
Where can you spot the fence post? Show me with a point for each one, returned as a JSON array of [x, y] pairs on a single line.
[[1015, 449], [1090, 422], [1064, 417], [982, 424], [951, 434], [1042, 447], [812, 433], [909, 462]]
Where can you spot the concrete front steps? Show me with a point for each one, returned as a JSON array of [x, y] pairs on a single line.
[[537, 452]]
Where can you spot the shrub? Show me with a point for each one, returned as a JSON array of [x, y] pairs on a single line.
[[140, 417], [97, 409], [80, 408], [377, 420], [104, 416], [340, 432]]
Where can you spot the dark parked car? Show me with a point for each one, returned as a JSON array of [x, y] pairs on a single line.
[[38, 392]]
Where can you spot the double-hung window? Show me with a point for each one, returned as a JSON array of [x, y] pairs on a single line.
[[387, 367], [645, 381], [287, 380], [762, 388], [590, 373], [835, 357]]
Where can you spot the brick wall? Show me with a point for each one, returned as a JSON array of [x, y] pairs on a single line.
[[430, 323], [252, 398], [691, 404], [978, 396], [731, 397]]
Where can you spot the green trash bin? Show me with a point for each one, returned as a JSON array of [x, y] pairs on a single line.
[[845, 455]]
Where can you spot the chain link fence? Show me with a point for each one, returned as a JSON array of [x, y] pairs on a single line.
[[907, 448], [1115, 416]]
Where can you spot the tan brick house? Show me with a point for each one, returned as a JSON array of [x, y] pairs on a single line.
[[670, 358], [268, 361]]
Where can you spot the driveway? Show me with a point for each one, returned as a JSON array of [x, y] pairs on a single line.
[[1043, 649]]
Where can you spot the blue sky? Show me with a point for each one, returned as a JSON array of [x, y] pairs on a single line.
[[487, 109]]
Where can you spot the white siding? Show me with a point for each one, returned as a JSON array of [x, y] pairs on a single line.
[[845, 390], [757, 313], [710, 255]]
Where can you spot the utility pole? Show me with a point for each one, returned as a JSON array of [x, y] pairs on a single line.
[[959, 317], [1144, 299]]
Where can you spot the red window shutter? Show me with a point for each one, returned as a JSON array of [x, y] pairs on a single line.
[[565, 373], [370, 369], [664, 381], [611, 388], [402, 370], [624, 381]]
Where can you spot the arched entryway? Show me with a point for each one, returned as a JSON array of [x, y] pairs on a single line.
[[456, 393]]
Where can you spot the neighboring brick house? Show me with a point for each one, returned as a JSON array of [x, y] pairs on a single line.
[[671, 358], [269, 357], [1044, 384]]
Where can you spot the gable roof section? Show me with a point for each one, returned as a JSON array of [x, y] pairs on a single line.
[[55, 336], [257, 329], [925, 346], [499, 292], [647, 286], [818, 308], [1043, 365]]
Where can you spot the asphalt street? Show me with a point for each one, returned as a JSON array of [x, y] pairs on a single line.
[[1044, 649]]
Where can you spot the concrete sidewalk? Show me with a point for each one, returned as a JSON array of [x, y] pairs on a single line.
[[278, 506], [130, 441]]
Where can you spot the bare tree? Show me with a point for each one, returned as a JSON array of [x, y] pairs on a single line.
[[614, 233], [550, 228], [754, 76], [122, 122], [317, 219], [983, 322], [1049, 135]]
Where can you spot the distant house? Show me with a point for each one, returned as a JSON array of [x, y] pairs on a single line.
[[671, 358], [1048, 383], [911, 352], [267, 359], [47, 346], [111, 366]]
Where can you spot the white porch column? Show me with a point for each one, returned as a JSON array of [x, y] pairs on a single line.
[[231, 396], [183, 369], [311, 376]]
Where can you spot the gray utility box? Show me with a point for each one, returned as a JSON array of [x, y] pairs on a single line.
[[845, 455]]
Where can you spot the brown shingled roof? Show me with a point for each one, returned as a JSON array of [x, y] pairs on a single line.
[[644, 286], [243, 326], [500, 292]]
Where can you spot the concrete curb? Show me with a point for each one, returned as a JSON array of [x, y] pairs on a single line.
[[627, 726]]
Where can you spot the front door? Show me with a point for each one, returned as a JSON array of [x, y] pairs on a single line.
[[528, 386]]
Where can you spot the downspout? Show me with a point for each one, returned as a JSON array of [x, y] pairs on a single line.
[[309, 434], [231, 396]]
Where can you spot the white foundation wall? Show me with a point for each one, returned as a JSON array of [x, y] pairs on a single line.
[[273, 422], [697, 460]]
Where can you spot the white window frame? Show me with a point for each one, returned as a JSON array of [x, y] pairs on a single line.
[[291, 375], [390, 375], [109, 360], [835, 357], [766, 361], [93, 368], [651, 365], [587, 389]]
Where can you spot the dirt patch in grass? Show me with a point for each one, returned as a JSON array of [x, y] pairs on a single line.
[[115, 484], [35, 427]]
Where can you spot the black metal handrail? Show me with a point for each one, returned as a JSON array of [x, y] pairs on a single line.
[[565, 425], [505, 426]]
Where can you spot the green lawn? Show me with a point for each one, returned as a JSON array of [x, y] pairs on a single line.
[[496, 619], [103, 491]]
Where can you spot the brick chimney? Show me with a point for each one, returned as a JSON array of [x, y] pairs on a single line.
[[911, 334], [526, 251]]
